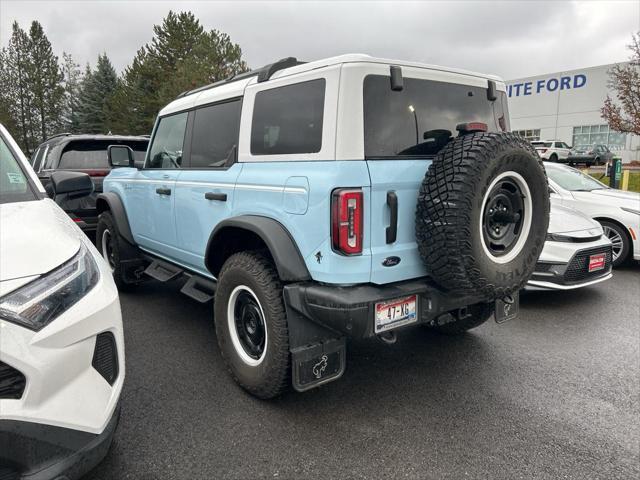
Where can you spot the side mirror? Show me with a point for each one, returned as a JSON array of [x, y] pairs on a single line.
[[120, 156], [73, 184]]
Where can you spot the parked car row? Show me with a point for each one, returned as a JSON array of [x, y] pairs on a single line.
[[297, 210], [559, 152]]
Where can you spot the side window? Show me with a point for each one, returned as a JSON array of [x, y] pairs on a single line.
[[214, 140], [34, 157], [288, 119], [167, 143], [558, 145]]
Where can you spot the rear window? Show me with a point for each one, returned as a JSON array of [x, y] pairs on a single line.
[[81, 154], [421, 118], [288, 120], [541, 144]]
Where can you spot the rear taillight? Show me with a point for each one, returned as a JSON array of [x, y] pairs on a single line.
[[346, 220], [542, 150]]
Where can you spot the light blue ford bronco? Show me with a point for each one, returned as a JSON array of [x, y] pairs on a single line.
[[317, 202]]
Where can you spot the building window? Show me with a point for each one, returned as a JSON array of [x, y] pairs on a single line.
[[529, 135], [601, 134]]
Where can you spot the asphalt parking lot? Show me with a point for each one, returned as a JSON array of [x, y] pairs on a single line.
[[554, 394]]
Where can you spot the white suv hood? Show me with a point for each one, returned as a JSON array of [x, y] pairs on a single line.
[[35, 237], [565, 220]]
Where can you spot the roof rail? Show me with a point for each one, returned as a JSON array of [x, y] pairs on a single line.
[[63, 134], [263, 74], [267, 71]]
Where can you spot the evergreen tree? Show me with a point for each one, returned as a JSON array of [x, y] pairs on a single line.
[[70, 119], [98, 88], [45, 82], [15, 95], [181, 56]]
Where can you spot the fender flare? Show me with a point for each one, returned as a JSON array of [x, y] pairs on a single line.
[[112, 201], [288, 260]]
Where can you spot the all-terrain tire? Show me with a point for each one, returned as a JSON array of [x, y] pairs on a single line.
[[117, 249], [454, 226], [477, 315], [255, 275]]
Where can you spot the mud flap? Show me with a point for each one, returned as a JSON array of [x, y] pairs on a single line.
[[318, 363], [507, 308]]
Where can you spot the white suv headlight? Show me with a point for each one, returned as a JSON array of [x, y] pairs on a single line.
[[39, 302]]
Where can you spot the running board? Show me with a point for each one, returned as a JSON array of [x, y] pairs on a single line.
[[163, 271], [200, 289]]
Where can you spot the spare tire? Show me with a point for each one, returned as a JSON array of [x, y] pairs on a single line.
[[482, 214]]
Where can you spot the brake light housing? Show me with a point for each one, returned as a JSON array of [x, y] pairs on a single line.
[[347, 212]]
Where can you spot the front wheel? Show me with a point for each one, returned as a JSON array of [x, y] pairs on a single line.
[[620, 243], [113, 249], [251, 324]]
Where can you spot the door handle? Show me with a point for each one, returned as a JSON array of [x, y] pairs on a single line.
[[221, 197], [392, 229], [163, 191]]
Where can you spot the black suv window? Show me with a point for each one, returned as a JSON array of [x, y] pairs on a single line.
[[421, 118], [168, 141], [288, 119], [215, 135], [89, 154]]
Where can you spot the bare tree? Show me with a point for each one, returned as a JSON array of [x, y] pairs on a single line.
[[623, 115]]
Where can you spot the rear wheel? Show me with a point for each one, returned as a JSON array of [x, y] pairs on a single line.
[[457, 323], [251, 324], [620, 243], [482, 214]]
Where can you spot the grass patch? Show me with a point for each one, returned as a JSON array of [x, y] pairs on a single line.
[[634, 180]]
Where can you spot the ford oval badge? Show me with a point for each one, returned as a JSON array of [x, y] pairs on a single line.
[[391, 261]]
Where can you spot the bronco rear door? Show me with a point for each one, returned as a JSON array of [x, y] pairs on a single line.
[[403, 130]]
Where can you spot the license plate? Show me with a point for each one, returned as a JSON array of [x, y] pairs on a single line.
[[507, 308], [596, 262], [395, 313]]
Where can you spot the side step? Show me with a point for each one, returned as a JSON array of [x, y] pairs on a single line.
[[318, 363], [200, 289], [162, 271]]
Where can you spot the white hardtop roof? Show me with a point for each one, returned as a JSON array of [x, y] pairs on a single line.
[[236, 88]]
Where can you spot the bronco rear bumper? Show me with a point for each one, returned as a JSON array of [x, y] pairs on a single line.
[[321, 317], [349, 311]]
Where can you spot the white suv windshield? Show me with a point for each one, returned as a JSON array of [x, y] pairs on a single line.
[[14, 186], [574, 180]]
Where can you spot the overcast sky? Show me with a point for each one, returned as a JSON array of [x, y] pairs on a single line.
[[510, 38]]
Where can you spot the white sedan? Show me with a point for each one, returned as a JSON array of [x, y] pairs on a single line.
[[617, 211], [61, 343], [576, 253]]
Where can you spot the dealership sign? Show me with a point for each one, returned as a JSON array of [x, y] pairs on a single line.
[[543, 85]]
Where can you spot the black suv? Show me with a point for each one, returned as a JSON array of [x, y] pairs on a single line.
[[87, 154]]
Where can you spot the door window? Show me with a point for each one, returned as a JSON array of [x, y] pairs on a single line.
[[288, 119], [215, 135], [168, 141]]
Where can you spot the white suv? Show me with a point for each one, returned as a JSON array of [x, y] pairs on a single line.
[[61, 345], [552, 150]]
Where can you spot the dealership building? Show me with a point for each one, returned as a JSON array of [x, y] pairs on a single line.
[[565, 106]]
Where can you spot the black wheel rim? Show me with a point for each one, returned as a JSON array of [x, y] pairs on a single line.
[[503, 217], [107, 248], [250, 325]]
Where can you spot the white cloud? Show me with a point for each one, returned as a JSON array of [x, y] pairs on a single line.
[[512, 39]]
